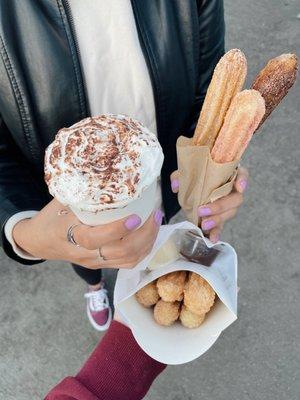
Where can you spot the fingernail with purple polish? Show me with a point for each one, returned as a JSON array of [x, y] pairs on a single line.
[[158, 216], [133, 222], [174, 184], [207, 225], [204, 211], [243, 184]]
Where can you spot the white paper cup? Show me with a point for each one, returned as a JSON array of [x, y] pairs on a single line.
[[142, 206]]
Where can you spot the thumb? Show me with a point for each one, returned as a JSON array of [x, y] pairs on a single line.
[[241, 181]]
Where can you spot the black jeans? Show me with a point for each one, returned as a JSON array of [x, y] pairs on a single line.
[[90, 276]]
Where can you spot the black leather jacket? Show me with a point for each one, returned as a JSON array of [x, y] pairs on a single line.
[[42, 88]]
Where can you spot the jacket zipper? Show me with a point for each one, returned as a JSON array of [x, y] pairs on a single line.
[[76, 46]]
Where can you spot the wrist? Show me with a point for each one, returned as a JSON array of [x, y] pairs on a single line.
[[22, 235]]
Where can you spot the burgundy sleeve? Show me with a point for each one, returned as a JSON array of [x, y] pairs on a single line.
[[118, 369]]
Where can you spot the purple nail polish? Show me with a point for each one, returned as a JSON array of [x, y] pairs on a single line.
[[158, 216], [174, 184], [132, 222], [207, 225], [244, 184], [204, 211]]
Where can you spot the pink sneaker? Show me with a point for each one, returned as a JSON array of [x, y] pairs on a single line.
[[98, 309]]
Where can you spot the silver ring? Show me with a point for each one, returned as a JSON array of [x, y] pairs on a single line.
[[70, 235], [101, 256], [63, 212]]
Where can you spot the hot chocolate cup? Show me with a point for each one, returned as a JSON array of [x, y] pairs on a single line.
[[141, 206]]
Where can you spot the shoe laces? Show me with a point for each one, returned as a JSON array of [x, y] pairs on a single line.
[[98, 300]]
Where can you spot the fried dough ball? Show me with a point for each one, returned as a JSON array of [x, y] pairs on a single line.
[[171, 286], [166, 313], [190, 319], [148, 295], [199, 296]]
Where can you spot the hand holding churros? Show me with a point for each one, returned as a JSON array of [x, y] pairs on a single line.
[[229, 117]]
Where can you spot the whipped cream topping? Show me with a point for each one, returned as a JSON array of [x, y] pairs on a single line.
[[102, 162]]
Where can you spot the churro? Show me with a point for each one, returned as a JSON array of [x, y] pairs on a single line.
[[171, 286], [166, 313], [243, 117], [148, 295], [199, 296], [228, 79], [190, 319], [275, 80]]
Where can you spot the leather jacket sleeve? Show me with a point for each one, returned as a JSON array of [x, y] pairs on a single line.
[[211, 49], [19, 190]]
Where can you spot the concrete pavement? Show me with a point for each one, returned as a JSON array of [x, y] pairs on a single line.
[[45, 336]]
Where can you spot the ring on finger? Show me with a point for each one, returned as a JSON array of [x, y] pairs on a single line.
[[70, 235]]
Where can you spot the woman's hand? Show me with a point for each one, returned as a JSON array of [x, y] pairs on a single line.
[[213, 216], [121, 244]]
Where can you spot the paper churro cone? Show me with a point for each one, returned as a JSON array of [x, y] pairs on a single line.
[[201, 180]]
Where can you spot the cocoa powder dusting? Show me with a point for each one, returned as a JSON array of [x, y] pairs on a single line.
[[104, 151]]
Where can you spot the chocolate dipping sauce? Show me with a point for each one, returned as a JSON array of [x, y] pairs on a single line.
[[194, 249]]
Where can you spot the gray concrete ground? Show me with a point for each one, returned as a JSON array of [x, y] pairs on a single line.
[[44, 334]]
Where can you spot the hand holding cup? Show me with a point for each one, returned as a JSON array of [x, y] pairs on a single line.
[[120, 244]]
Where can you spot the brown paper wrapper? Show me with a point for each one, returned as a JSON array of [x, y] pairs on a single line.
[[201, 180]]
